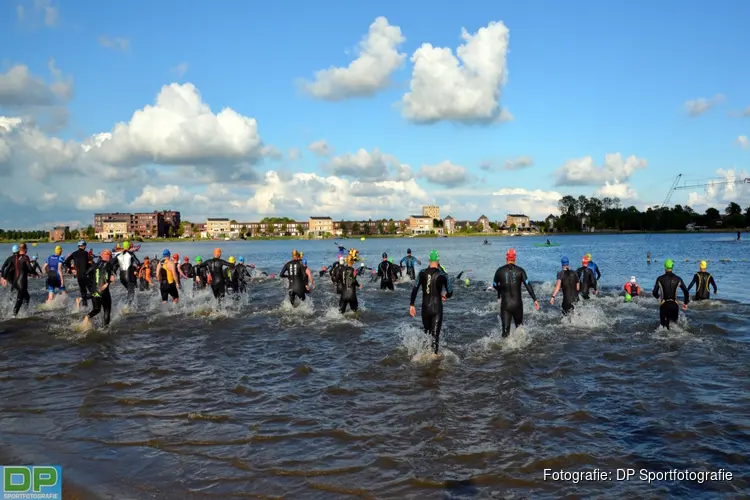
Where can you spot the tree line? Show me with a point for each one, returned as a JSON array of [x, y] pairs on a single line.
[[583, 213]]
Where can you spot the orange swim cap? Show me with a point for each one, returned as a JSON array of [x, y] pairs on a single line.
[[510, 254], [217, 253]]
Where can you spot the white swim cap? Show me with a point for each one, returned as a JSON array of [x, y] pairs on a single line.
[[632, 279]]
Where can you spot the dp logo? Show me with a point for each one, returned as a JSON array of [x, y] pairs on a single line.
[[31, 482]]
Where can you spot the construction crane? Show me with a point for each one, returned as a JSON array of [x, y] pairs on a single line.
[[671, 191], [721, 182]]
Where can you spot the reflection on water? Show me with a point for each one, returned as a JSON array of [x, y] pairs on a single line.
[[259, 399]]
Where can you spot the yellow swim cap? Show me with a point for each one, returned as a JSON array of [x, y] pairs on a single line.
[[703, 264], [58, 250], [231, 259]]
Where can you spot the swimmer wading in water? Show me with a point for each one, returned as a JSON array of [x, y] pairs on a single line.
[[432, 281]]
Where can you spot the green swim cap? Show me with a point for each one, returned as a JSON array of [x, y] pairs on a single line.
[[125, 245], [668, 264], [199, 259], [467, 282], [434, 256], [390, 259], [628, 297]]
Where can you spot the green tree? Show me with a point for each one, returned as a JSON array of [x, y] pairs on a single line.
[[733, 209], [90, 232], [392, 227], [380, 227], [355, 228], [68, 234], [366, 229]]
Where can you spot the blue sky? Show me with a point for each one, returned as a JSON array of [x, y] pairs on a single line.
[[586, 81]]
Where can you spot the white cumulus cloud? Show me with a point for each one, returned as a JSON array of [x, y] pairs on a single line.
[[320, 148], [378, 57], [583, 171], [469, 91], [617, 190], [697, 107], [730, 186], [40, 9], [742, 141], [114, 43], [181, 129], [537, 203], [368, 165], [444, 173]]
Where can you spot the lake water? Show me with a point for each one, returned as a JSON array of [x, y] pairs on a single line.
[[257, 399]]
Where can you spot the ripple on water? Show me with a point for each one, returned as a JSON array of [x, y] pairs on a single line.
[[262, 399]]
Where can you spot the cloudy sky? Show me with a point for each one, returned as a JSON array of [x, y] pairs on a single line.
[[370, 111]]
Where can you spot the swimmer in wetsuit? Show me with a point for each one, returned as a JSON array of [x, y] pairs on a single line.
[[385, 274], [396, 270], [408, 261], [53, 266], [166, 272], [200, 274], [432, 281], [126, 263], [144, 274], [508, 280], [703, 280], [216, 274], [567, 280], [35, 265], [587, 279], [666, 288], [349, 285], [309, 284], [99, 276], [242, 274], [294, 271], [79, 262], [8, 267], [21, 270], [336, 271], [595, 269]]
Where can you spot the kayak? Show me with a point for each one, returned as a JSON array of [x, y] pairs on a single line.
[[546, 245]]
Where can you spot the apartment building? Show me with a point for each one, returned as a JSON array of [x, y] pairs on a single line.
[[58, 233], [449, 225], [218, 226], [419, 224], [114, 230], [143, 224], [521, 221], [318, 226], [431, 211], [484, 223]]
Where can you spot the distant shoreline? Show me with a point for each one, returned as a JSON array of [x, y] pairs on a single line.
[[374, 236]]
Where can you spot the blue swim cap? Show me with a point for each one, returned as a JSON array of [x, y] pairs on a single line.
[[15, 248], [304, 261], [564, 261], [34, 257], [166, 253], [242, 259]]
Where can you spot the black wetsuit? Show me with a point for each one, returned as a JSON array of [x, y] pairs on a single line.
[[349, 286], [242, 277], [386, 275], [409, 260], [507, 282], [97, 275], [36, 268], [126, 263], [187, 270], [80, 262], [588, 281], [703, 280], [336, 276], [666, 287], [216, 269], [200, 277], [21, 270], [294, 271], [432, 281], [569, 287], [8, 268]]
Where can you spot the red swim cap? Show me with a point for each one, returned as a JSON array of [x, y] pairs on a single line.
[[510, 254]]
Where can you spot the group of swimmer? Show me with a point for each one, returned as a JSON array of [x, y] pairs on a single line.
[[95, 274]]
